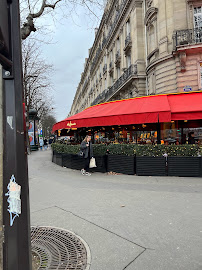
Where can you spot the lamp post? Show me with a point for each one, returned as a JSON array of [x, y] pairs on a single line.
[[16, 213]]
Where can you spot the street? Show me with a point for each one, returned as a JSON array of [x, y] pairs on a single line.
[[128, 222]]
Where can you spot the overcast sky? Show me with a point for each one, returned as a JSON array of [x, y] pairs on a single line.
[[67, 52]]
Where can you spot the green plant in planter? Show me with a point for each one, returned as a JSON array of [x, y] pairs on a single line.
[[170, 150], [99, 149], [121, 149], [131, 149]]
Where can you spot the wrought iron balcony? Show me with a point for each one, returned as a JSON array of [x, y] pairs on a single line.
[[188, 36], [127, 40], [128, 44], [125, 77]]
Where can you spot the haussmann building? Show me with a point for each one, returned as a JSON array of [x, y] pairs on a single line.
[[142, 80]]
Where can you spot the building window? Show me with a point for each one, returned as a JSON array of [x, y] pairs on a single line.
[[128, 58], [118, 72], [131, 94], [197, 17], [128, 28], [105, 83], [111, 56], [200, 80], [152, 41], [118, 44], [111, 80], [198, 23]]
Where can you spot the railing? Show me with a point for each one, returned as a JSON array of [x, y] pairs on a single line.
[[188, 36], [127, 40], [132, 70]]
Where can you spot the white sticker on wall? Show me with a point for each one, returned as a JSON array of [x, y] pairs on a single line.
[[10, 121], [14, 201]]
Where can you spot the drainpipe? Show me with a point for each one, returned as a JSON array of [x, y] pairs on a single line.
[[146, 51]]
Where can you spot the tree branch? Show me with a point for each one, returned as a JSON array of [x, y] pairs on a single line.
[[28, 26]]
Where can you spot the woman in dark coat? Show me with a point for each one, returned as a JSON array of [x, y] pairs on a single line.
[[87, 149]]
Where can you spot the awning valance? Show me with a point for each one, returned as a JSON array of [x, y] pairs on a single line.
[[140, 110]]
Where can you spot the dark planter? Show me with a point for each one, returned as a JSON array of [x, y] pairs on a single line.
[[58, 159], [53, 157], [151, 166], [66, 160], [121, 164], [101, 163], [184, 166], [77, 163]]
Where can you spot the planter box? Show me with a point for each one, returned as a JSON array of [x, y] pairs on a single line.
[[121, 164], [77, 163], [58, 159], [151, 166], [185, 166], [101, 162], [66, 160]]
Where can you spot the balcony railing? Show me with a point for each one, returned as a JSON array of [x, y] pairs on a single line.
[[188, 36], [105, 95]]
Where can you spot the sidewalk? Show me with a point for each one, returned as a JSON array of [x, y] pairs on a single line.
[[128, 222]]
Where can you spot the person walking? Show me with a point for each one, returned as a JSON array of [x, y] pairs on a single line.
[[41, 143], [87, 149], [45, 142]]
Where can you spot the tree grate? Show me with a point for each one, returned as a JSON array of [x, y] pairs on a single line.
[[59, 249]]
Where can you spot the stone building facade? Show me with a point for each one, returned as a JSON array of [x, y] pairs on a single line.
[[143, 47]]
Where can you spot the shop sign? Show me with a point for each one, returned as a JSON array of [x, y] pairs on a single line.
[[187, 88], [70, 124]]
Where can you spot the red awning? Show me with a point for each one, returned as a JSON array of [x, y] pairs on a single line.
[[186, 106], [150, 109]]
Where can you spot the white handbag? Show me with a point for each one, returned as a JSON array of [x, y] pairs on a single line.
[[92, 163]]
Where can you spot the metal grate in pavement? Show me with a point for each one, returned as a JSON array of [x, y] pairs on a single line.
[[59, 249]]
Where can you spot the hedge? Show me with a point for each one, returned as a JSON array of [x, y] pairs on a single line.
[[131, 149]]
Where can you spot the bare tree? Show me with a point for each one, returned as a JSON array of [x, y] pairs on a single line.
[[36, 79], [47, 123], [33, 9]]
